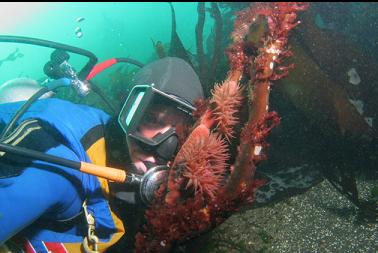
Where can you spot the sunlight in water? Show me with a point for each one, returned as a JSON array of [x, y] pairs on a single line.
[[15, 14]]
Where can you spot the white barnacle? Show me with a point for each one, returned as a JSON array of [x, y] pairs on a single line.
[[271, 65], [273, 50], [354, 78], [358, 104], [369, 121], [257, 150]]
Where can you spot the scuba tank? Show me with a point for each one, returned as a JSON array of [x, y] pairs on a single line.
[[20, 89]]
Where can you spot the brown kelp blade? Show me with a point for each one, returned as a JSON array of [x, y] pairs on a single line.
[[176, 48]]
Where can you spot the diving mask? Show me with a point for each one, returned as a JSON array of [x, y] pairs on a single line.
[[149, 118]]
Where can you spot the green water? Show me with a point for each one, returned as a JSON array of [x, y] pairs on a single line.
[[109, 30]]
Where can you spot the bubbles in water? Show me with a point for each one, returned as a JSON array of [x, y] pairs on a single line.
[[79, 19], [78, 32]]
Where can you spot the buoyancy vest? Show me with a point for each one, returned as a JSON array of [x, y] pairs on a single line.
[[83, 130]]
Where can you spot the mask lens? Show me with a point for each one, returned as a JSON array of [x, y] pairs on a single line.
[[150, 117], [160, 119]]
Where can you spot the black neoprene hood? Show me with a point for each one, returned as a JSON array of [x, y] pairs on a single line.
[[173, 76]]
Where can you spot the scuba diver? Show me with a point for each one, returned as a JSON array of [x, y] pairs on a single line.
[[47, 207], [12, 56]]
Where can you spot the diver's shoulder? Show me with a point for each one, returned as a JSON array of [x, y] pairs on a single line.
[[63, 104]]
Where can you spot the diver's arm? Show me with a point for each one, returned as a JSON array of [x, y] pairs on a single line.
[[38, 192]]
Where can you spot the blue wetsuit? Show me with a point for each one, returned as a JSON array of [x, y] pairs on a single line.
[[42, 194]]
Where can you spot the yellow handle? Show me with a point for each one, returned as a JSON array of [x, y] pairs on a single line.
[[113, 174]]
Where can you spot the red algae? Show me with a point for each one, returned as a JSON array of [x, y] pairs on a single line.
[[202, 189]]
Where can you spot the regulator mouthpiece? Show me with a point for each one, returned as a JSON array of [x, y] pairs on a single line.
[[151, 181]]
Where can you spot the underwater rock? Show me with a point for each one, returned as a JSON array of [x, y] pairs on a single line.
[[287, 181], [316, 221]]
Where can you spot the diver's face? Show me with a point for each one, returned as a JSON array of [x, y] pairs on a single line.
[[150, 132], [158, 121], [138, 155]]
